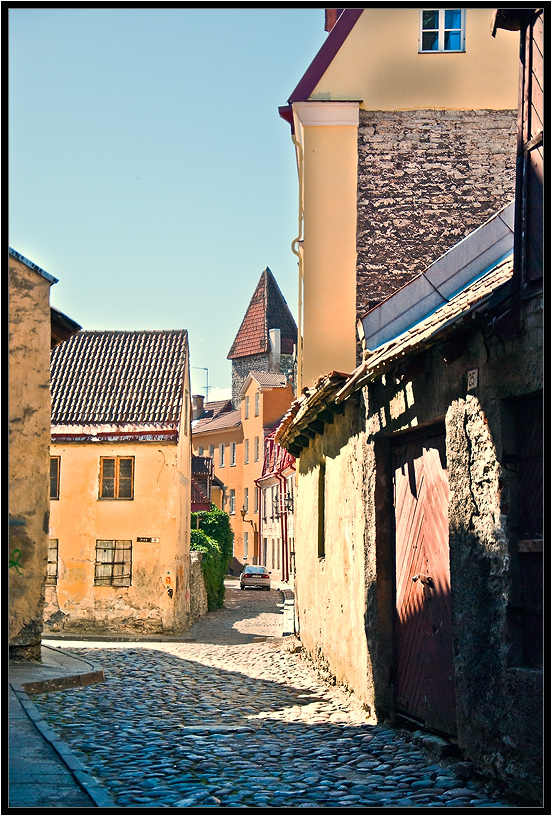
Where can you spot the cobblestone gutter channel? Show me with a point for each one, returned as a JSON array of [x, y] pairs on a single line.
[[241, 724]]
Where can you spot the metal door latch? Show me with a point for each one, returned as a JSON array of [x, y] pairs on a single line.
[[424, 579]]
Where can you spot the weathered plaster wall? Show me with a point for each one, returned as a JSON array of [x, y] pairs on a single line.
[[78, 519], [426, 179], [345, 600], [29, 439], [331, 591]]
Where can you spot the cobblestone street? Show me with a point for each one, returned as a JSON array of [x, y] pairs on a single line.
[[230, 720]]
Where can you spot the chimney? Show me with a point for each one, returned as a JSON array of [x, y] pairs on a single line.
[[332, 16], [274, 358], [197, 406]]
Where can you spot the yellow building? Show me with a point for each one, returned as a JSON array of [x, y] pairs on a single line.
[[403, 126], [120, 483], [34, 328], [235, 440]]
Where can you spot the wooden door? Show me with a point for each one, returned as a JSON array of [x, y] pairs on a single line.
[[424, 676]]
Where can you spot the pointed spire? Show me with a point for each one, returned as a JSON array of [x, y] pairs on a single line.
[[267, 310]]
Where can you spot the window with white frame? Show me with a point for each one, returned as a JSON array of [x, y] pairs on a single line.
[[245, 544], [442, 30], [246, 498], [256, 501], [232, 454], [246, 452], [256, 448], [257, 400], [232, 508], [221, 455], [246, 408], [211, 451]]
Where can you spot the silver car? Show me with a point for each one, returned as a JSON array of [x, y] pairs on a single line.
[[255, 576]]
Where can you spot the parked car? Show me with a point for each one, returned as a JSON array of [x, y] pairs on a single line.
[[255, 576]]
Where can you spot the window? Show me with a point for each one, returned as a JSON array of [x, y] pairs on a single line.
[[246, 498], [257, 396], [245, 544], [211, 451], [232, 454], [116, 477], [247, 408], [256, 448], [441, 30], [113, 565], [246, 452], [265, 502], [52, 566], [200, 450], [55, 462], [256, 502], [232, 509], [221, 455]]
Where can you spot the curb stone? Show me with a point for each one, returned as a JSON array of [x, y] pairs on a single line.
[[88, 783]]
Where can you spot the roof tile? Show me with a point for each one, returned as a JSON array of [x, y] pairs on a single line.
[[119, 377]]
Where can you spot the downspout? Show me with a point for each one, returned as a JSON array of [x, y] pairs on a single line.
[[296, 249], [283, 527]]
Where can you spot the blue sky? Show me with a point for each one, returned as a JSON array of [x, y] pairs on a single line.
[[149, 170]]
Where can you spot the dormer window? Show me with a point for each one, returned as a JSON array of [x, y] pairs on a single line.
[[442, 30]]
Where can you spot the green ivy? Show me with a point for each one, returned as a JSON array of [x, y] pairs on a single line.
[[212, 535]]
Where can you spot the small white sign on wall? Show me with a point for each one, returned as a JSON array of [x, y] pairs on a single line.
[[473, 378]]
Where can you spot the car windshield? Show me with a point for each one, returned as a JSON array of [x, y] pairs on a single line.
[[255, 569]]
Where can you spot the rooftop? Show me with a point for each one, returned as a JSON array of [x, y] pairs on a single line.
[[267, 310], [103, 377]]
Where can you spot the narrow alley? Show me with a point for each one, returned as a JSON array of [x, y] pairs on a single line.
[[237, 718]]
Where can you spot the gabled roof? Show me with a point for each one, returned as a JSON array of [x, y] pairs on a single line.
[[222, 422], [31, 265], [320, 64], [267, 310], [265, 379], [117, 377]]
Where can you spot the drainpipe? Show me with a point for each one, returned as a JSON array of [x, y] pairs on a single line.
[[296, 248], [283, 527]]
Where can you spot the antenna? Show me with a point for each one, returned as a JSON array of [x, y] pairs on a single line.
[[197, 368]]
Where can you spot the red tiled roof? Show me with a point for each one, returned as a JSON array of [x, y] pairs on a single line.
[[224, 421], [100, 377], [267, 310]]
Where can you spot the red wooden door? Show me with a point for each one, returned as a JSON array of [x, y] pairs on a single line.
[[424, 676]]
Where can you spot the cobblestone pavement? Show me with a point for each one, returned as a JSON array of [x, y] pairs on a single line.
[[227, 721]]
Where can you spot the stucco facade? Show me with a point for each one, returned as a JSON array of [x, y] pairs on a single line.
[[345, 588], [236, 442], [29, 440], [382, 134], [120, 508]]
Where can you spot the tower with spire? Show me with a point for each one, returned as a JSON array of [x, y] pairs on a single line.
[[267, 337]]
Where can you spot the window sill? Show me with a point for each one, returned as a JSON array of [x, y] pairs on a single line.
[[109, 499]]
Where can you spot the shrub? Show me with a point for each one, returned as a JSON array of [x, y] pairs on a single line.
[[212, 567]]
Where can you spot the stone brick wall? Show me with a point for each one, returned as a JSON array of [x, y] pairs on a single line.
[[198, 593], [242, 366], [426, 179]]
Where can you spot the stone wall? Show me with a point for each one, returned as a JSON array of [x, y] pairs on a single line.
[[29, 463], [242, 366], [198, 593], [426, 179], [345, 598]]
